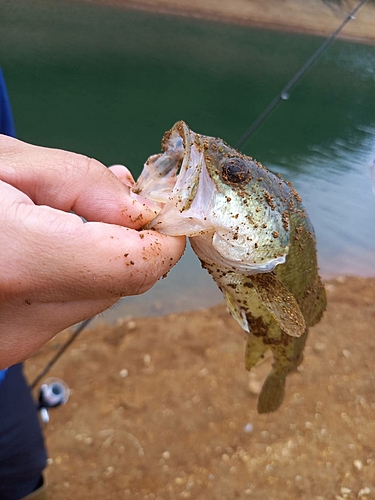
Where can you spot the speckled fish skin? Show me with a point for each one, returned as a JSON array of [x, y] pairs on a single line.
[[251, 232]]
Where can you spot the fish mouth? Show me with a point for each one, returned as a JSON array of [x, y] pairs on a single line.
[[191, 204], [179, 182]]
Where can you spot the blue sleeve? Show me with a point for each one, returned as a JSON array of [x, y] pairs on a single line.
[[6, 118]]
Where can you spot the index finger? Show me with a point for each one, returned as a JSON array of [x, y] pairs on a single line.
[[69, 181]]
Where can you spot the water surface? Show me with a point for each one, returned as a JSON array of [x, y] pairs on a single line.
[[108, 82]]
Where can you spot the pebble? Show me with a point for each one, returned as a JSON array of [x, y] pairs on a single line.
[[166, 455], [131, 325], [364, 491], [109, 471], [358, 464], [248, 428], [255, 387], [345, 491], [124, 373], [319, 347]]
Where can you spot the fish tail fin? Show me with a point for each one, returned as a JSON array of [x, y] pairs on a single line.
[[272, 393], [254, 351]]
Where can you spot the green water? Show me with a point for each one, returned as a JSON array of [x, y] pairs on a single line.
[[108, 82]]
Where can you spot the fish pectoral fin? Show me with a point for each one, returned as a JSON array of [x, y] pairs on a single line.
[[280, 303], [236, 311]]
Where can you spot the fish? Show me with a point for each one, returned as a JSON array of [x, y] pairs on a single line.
[[251, 232]]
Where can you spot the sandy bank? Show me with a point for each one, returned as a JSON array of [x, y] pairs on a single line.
[[163, 409], [305, 16]]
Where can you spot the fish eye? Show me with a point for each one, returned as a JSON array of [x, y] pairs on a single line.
[[235, 171]]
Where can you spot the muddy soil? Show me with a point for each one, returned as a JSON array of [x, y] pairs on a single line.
[[163, 408]]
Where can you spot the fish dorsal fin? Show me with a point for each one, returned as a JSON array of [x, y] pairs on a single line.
[[236, 311], [280, 303]]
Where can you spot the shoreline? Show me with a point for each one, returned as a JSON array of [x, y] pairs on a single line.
[[315, 19], [161, 305]]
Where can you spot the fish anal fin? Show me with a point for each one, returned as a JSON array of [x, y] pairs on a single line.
[[281, 304], [236, 311]]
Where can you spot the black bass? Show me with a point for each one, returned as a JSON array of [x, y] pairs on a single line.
[[251, 232]]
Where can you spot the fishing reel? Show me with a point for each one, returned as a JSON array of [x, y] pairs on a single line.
[[53, 392]]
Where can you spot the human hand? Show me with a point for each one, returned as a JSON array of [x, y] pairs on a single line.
[[56, 270]]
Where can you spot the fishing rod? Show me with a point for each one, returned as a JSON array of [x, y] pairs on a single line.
[[61, 351], [282, 95]]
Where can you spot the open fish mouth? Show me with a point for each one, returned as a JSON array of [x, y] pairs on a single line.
[[178, 181], [195, 203]]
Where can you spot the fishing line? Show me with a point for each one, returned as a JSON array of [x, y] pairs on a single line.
[[282, 95], [61, 351]]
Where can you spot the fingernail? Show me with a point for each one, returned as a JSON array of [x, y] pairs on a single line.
[[155, 207]]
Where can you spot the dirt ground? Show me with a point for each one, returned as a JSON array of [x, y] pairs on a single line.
[[163, 409], [305, 16]]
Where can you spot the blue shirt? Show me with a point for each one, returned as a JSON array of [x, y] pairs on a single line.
[[6, 118]]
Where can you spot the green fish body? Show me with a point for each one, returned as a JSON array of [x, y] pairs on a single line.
[[250, 231]]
